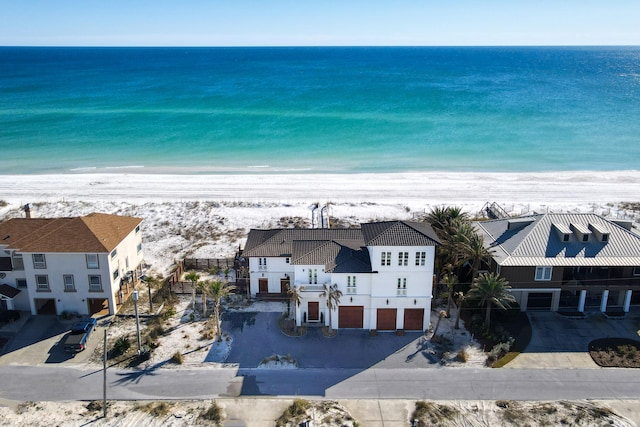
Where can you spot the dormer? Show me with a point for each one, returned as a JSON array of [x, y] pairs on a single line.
[[563, 232], [601, 233], [516, 223], [581, 231]]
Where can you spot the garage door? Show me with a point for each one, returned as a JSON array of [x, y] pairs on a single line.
[[539, 301], [350, 317], [386, 319], [413, 319]]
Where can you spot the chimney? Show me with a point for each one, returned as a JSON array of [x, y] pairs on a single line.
[[27, 210]]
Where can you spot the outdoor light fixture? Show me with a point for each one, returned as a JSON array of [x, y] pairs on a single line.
[[414, 302], [387, 302], [350, 299]]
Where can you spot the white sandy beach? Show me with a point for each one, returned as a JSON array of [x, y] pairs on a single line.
[[209, 215]]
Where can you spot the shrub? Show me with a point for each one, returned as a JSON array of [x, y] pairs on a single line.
[[295, 413], [121, 345], [177, 358], [463, 356], [213, 414]]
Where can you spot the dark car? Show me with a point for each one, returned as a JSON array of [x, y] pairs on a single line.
[[76, 340]]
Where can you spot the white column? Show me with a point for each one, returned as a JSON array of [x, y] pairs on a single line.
[[627, 301], [583, 298], [603, 303], [555, 300]]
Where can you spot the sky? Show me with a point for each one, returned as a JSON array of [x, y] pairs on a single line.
[[318, 23]]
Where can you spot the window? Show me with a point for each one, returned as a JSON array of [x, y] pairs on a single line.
[[287, 260], [69, 286], [137, 229], [386, 258], [92, 261], [585, 237], [95, 283], [402, 287], [18, 263], [116, 274], [126, 263], [636, 271], [114, 253], [21, 283], [313, 276], [262, 263], [39, 261], [403, 258], [351, 284], [421, 258], [139, 247], [42, 283], [543, 273]]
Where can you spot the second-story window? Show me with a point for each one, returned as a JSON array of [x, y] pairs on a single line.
[[386, 258], [313, 276], [39, 261], [114, 253], [262, 263], [42, 283], [403, 258], [95, 283], [69, 286], [421, 258]]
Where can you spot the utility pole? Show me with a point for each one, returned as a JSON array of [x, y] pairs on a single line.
[[104, 376], [135, 307]]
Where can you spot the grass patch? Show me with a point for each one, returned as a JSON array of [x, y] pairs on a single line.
[[296, 413], [433, 414], [177, 358], [213, 414]]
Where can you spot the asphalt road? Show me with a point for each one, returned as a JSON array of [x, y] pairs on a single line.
[[57, 383]]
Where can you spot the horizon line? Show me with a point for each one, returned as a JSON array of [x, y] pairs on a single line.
[[315, 46]]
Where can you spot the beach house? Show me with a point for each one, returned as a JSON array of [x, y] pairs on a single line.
[[383, 271], [573, 262], [81, 265]]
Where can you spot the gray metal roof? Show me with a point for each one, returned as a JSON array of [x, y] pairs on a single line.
[[539, 244], [399, 233]]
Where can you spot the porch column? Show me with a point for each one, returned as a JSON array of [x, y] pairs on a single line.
[[603, 303], [583, 298], [555, 301], [627, 301], [524, 299]]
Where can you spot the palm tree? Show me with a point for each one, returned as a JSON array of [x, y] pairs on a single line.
[[460, 297], [474, 252], [491, 289], [440, 316], [218, 289], [193, 277], [295, 297], [333, 294], [202, 287], [450, 281]]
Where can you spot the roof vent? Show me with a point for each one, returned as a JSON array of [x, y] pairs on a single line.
[[564, 233], [516, 223], [601, 233], [581, 231]]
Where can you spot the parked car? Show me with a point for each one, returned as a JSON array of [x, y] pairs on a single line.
[[7, 316], [76, 340]]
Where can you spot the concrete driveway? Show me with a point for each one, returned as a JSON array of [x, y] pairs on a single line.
[[257, 336], [561, 342], [37, 341]]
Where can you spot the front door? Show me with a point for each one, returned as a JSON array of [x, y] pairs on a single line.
[[314, 311], [284, 286], [263, 285]]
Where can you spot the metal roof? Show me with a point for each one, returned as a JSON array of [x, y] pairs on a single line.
[[538, 244]]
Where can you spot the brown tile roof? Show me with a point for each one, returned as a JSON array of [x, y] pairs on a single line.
[[8, 291], [95, 232]]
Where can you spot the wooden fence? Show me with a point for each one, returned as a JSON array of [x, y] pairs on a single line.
[[208, 263]]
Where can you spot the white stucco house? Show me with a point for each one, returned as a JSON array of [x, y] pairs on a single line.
[[83, 264], [383, 269]]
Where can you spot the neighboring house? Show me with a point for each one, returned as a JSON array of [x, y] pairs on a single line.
[[572, 262], [384, 271], [83, 265]]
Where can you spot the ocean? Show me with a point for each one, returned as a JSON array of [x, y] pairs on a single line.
[[319, 110]]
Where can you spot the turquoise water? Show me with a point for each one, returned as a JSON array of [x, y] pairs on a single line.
[[345, 110]]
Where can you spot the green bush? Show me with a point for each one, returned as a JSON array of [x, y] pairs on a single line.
[[121, 345]]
